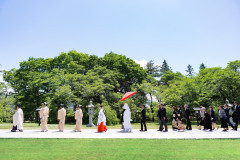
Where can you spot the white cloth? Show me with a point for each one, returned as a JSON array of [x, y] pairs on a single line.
[[101, 117], [18, 119], [127, 117]]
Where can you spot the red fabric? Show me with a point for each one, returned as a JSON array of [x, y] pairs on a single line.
[[102, 127], [127, 95]]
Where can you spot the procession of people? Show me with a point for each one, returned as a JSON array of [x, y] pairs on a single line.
[[228, 116]]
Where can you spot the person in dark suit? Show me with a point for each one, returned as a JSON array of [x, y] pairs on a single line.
[[236, 114], [213, 119], [226, 109], [207, 121], [143, 118], [188, 117], [162, 116]]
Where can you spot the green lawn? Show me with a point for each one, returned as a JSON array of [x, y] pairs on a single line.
[[118, 149]]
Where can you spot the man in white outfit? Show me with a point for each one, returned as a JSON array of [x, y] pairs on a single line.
[[18, 119], [44, 114]]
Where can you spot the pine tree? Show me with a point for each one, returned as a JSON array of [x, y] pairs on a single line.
[[153, 69], [165, 67], [202, 66], [189, 70]]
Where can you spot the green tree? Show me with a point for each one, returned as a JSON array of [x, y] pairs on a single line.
[[189, 71], [152, 69], [202, 66]]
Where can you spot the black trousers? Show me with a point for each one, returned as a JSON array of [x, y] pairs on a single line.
[[163, 122], [189, 126], [143, 122], [236, 124]]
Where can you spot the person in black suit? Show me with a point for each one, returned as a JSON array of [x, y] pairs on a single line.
[[226, 109], [207, 121], [143, 118], [213, 119], [236, 114], [188, 117], [162, 116]]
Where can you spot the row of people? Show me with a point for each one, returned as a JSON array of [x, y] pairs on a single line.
[[44, 114], [228, 117]]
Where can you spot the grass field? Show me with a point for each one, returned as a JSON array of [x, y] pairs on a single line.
[[56, 149]]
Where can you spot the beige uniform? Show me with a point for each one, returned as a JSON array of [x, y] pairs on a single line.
[[44, 114], [61, 118], [78, 117]]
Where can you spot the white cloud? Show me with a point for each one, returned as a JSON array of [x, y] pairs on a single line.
[[142, 62]]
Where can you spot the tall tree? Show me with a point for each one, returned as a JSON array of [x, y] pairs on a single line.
[[152, 69], [202, 66], [189, 71], [165, 67]]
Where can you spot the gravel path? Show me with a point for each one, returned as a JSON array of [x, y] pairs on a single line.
[[116, 133]]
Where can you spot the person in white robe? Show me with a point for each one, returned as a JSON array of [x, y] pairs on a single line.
[[18, 119], [44, 114], [127, 118], [78, 117], [101, 120], [61, 117]]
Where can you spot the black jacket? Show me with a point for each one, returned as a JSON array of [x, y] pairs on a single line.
[[174, 115], [179, 114], [236, 112], [162, 112], [143, 114], [227, 112], [212, 114], [187, 113]]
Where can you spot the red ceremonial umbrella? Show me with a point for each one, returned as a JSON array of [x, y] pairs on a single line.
[[127, 95]]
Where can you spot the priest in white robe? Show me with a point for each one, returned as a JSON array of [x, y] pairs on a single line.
[[127, 118], [78, 117], [101, 120], [44, 114], [18, 119], [61, 117]]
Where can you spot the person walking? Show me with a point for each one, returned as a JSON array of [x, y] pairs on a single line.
[[223, 118], [18, 119], [143, 118], [236, 114], [44, 114], [78, 118], [213, 119], [61, 117], [174, 118], [101, 120], [188, 117], [162, 115], [207, 121]]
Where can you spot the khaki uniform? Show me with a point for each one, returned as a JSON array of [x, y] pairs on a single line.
[[78, 117], [44, 114], [61, 118]]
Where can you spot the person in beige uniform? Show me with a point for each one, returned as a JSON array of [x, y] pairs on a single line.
[[78, 117], [44, 114], [61, 117]]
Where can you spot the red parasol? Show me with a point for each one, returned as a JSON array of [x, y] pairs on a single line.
[[127, 95]]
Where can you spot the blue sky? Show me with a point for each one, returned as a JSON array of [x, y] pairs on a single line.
[[181, 31]]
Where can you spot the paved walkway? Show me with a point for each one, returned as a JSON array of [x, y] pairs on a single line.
[[116, 133]]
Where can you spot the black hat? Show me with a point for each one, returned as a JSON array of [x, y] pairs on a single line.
[[80, 106], [45, 103], [61, 105], [19, 105]]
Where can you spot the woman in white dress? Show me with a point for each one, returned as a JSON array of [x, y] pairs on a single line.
[[127, 118], [101, 120]]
